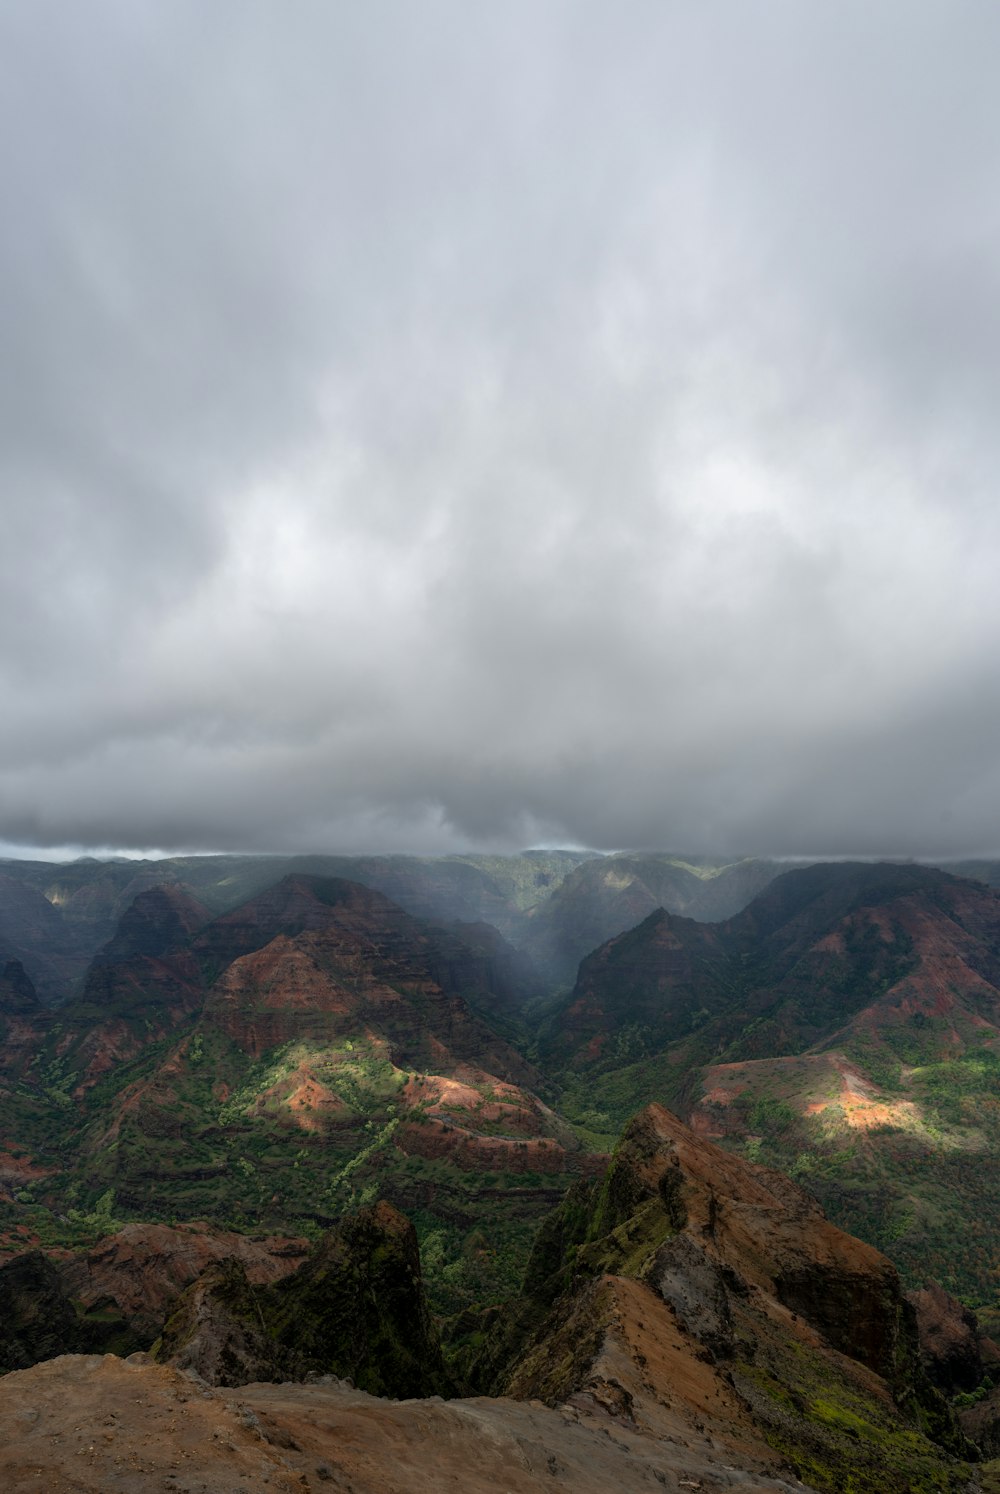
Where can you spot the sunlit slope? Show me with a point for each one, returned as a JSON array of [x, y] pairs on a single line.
[[845, 1027], [313, 1048]]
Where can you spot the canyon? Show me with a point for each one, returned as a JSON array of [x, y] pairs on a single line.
[[256, 1090]]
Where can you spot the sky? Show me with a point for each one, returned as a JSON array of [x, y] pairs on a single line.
[[433, 426]]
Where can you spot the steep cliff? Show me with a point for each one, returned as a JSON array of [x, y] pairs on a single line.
[[690, 1287], [354, 1308]]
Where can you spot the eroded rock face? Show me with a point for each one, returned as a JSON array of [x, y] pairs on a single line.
[[821, 948], [764, 1231], [37, 1319], [314, 958], [114, 1296], [354, 1308], [690, 1286], [962, 1361], [40, 1318], [950, 1342], [218, 1333], [694, 1287], [143, 1267]]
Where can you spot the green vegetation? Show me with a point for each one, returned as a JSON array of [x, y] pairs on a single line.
[[834, 1438], [221, 1140]]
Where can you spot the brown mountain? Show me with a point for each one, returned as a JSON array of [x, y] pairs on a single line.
[[818, 948], [845, 1027], [320, 957], [314, 1048], [708, 1301], [55, 918]]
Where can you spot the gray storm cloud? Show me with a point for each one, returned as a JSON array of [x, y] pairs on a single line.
[[442, 425]]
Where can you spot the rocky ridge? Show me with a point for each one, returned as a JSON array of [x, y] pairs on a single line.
[[355, 1307], [693, 1289]]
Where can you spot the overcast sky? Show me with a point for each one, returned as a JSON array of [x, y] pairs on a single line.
[[439, 425]]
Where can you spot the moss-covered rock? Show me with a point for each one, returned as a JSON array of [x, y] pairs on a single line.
[[40, 1320], [690, 1283], [355, 1309]]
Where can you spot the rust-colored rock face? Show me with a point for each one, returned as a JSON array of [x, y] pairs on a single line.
[[822, 950], [144, 1267], [695, 1294], [950, 1342], [317, 960], [771, 1234]]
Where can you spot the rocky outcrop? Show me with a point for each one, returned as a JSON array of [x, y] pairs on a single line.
[[115, 1295], [143, 1267], [218, 1331], [355, 1308], [39, 1319], [690, 1286], [950, 1345]]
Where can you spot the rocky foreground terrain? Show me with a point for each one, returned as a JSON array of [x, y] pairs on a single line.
[[690, 1321], [101, 1425]]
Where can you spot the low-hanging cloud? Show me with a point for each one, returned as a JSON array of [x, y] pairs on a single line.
[[435, 426]]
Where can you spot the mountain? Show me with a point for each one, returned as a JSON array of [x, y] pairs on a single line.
[[557, 905], [314, 1048], [54, 918], [706, 1298], [603, 897], [845, 1027], [317, 1047], [34, 935]]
